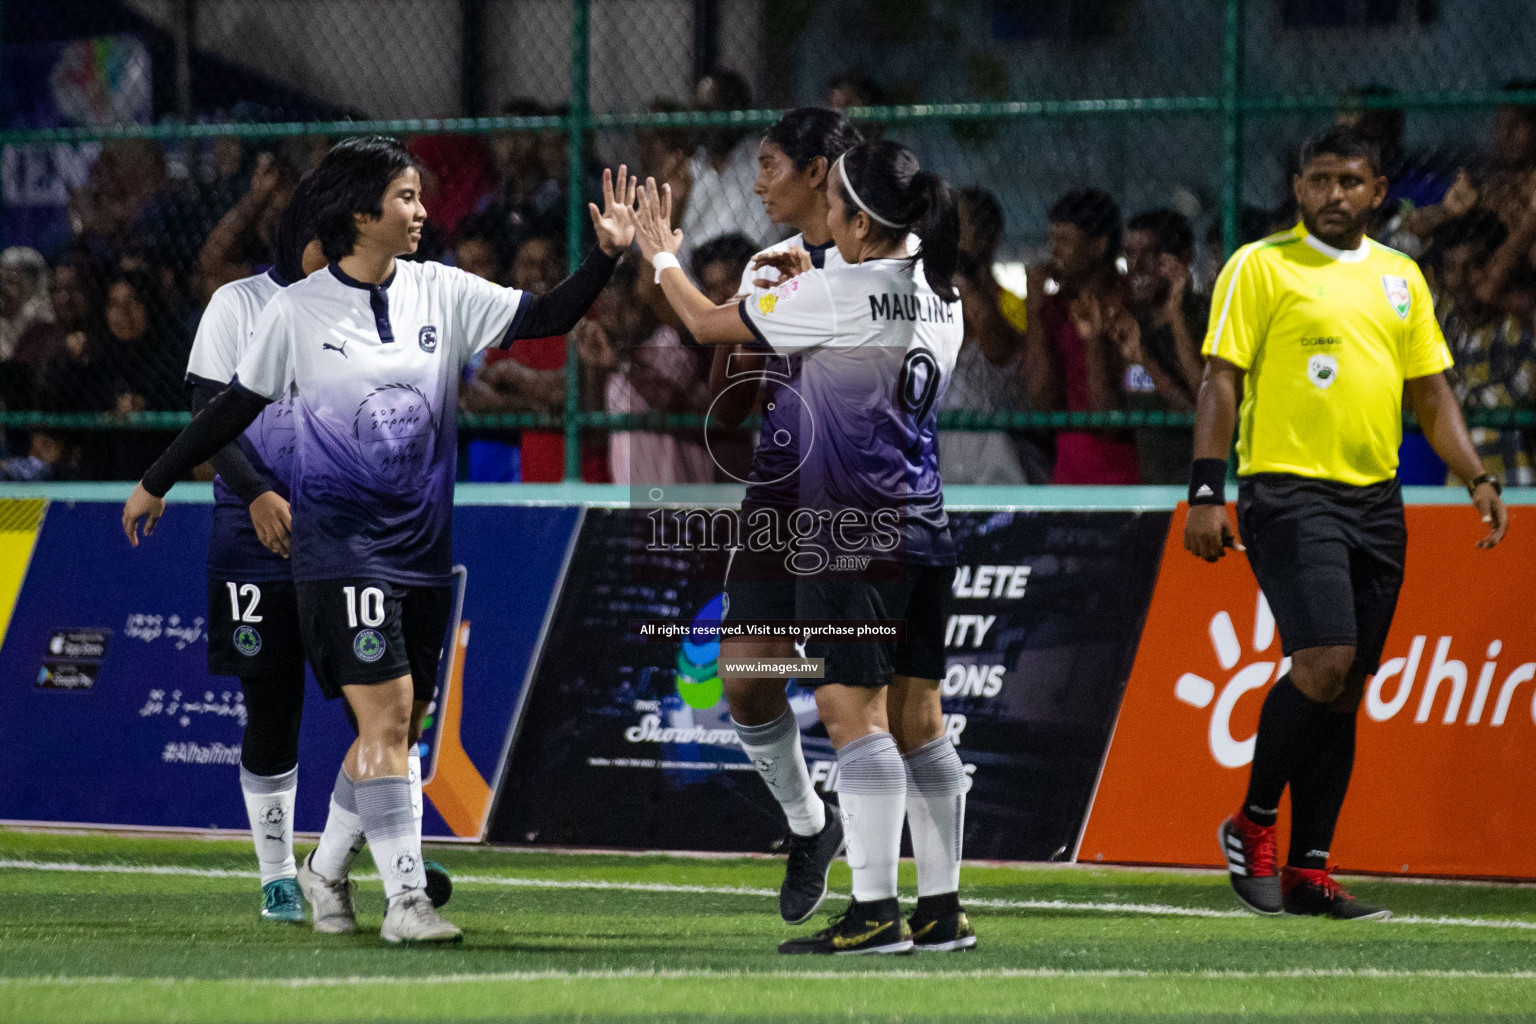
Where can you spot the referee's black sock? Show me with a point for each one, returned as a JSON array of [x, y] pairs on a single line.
[[1317, 792], [1288, 731]]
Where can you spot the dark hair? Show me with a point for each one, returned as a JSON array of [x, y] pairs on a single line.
[[806, 133], [987, 214], [1094, 213], [1481, 228], [868, 89], [731, 93], [735, 249], [1170, 232], [887, 177], [1347, 142], [351, 180], [295, 229]]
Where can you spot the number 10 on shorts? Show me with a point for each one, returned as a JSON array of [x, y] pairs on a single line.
[[371, 611]]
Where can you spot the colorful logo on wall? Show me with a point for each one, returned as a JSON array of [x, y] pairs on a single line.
[[698, 672]]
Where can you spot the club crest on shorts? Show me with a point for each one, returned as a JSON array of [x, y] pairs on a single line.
[[247, 641], [427, 338], [1397, 294], [368, 646], [1322, 371]]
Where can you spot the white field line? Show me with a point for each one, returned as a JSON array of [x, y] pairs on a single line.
[[1077, 906], [662, 974]]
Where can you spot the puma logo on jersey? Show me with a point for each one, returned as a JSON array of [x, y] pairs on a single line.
[[342, 348]]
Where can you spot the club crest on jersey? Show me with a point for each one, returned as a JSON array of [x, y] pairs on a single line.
[[1322, 371], [1397, 294], [368, 646], [427, 338], [247, 641]]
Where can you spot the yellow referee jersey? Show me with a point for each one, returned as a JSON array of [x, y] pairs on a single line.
[[1327, 338]]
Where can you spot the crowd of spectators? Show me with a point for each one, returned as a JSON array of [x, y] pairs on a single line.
[[1110, 315]]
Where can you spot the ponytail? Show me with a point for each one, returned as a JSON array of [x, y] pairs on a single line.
[[938, 228], [883, 179]]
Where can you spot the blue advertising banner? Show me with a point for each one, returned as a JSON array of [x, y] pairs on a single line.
[[108, 714]]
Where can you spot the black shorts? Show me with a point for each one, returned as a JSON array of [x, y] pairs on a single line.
[[360, 632], [253, 629], [1328, 557], [759, 585], [920, 598]]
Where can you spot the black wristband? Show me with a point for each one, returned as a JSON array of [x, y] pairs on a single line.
[[1486, 478], [1208, 482]]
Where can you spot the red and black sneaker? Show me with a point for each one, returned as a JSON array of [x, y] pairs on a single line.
[[1312, 892], [1250, 853]]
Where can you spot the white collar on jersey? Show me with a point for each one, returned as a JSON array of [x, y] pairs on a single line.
[[1342, 255]]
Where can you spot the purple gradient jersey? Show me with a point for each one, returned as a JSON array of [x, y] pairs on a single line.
[[375, 373], [877, 349], [223, 335], [773, 481]]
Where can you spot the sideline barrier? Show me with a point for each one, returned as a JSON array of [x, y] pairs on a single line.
[[628, 745]]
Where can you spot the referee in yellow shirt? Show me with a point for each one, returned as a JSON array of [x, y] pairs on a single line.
[[1319, 329]]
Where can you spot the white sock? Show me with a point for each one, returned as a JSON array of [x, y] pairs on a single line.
[[269, 806], [872, 792], [385, 807], [343, 833], [936, 785], [413, 775], [774, 750]]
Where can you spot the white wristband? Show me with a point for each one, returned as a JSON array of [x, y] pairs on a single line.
[[661, 261]]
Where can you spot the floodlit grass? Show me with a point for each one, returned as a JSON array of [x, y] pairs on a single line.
[[89, 933]]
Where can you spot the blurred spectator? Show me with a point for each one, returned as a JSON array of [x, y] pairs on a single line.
[[456, 171], [719, 266], [69, 304], [533, 171], [1162, 352], [242, 239], [987, 370], [23, 296], [476, 251], [854, 89], [528, 377], [1495, 355], [723, 170], [145, 353], [1074, 335], [50, 456], [664, 154], [643, 367], [1501, 188], [124, 177]]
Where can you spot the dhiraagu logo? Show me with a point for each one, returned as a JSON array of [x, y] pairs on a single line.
[[698, 671]]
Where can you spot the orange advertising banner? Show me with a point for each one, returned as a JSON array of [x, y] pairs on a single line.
[[1446, 757]]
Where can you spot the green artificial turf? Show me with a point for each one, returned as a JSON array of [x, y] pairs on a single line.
[[609, 938]]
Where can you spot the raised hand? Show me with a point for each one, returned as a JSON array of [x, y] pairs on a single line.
[[1461, 197], [615, 222], [653, 221]]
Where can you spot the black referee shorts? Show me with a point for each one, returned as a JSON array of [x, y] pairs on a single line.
[[1329, 558], [920, 597]]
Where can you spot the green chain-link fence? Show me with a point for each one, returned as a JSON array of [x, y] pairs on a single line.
[[149, 144]]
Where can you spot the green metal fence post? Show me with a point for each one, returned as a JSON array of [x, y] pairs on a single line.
[[576, 132], [1232, 127]]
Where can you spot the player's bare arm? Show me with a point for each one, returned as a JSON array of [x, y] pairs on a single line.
[[708, 323], [1207, 531], [1438, 412]]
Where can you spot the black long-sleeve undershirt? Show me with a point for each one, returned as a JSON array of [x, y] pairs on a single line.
[[563, 306], [229, 462], [223, 419]]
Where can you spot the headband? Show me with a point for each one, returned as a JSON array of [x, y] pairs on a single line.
[[848, 184]]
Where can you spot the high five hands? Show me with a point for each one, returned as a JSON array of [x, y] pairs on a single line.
[[653, 227], [615, 222]]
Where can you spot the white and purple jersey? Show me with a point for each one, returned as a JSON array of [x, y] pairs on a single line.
[[773, 482], [223, 335], [877, 348], [375, 371]]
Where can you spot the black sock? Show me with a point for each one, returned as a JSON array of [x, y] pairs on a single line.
[[931, 908], [1317, 793], [1288, 726], [274, 707], [882, 910]]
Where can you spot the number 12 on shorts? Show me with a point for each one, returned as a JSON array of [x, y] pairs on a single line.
[[252, 595], [371, 611]]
